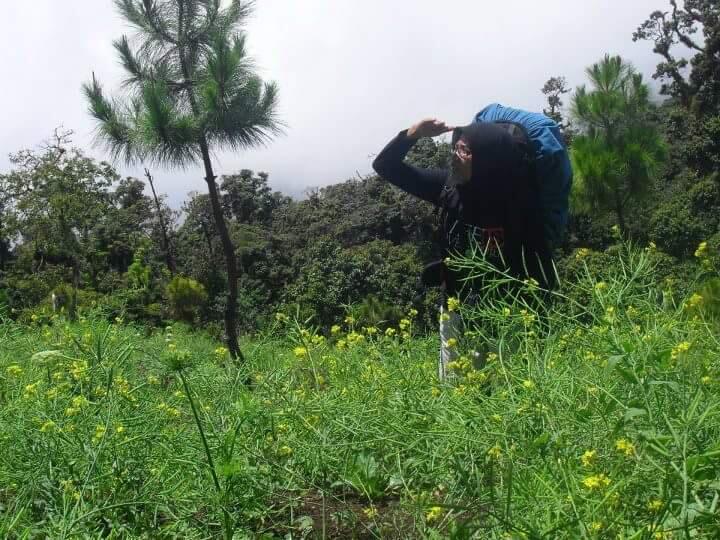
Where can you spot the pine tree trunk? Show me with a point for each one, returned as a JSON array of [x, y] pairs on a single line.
[[230, 259], [225, 240]]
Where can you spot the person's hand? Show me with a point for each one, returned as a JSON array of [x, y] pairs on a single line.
[[430, 127]]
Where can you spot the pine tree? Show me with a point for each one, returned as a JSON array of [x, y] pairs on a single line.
[[192, 88]]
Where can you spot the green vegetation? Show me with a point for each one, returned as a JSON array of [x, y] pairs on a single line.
[[597, 417], [128, 409]]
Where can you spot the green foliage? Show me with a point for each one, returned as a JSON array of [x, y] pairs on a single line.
[[138, 272], [608, 407], [222, 102], [331, 277], [617, 155], [374, 312], [186, 297]]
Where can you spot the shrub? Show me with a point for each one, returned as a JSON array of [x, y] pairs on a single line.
[[185, 297]]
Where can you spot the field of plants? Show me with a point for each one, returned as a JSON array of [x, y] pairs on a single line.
[[595, 413]]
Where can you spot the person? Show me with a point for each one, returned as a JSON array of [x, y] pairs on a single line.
[[489, 194]]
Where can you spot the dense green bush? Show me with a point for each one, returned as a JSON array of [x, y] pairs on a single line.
[[185, 297]]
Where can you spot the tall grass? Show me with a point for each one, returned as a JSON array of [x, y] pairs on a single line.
[[594, 414]]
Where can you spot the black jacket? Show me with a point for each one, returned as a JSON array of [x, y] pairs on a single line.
[[502, 194]]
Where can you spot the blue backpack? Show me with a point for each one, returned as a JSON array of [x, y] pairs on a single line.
[[552, 163]]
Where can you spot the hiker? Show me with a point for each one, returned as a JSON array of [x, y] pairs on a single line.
[[506, 186]]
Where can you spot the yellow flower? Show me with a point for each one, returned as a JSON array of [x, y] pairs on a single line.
[[79, 370], [694, 301], [14, 370], [370, 512], [341, 344], [434, 514], [506, 312], [390, 332], [582, 253], [651, 247], [528, 384], [625, 446], [600, 286], [349, 319], [451, 343], [152, 379], [318, 340], [444, 317], [588, 458], [706, 379], [615, 229], [701, 251], [221, 352], [300, 352], [49, 425], [496, 418], [654, 505], [595, 527], [370, 330], [435, 391], [335, 329], [99, 433], [79, 402], [680, 348], [404, 324], [412, 313], [281, 317], [528, 318], [119, 429], [285, 451], [596, 482], [453, 303], [476, 377], [31, 390], [354, 337], [495, 452]]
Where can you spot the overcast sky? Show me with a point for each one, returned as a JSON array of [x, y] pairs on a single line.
[[351, 72]]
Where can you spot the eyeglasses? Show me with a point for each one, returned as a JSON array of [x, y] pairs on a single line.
[[462, 150]]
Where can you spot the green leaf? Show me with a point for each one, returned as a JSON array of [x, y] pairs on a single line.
[[634, 413], [542, 440], [627, 374]]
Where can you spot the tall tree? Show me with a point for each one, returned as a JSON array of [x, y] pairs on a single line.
[[619, 150], [554, 89], [60, 195], [193, 88], [689, 36], [7, 214]]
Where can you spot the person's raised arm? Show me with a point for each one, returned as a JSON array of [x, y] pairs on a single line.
[[426, 184]]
